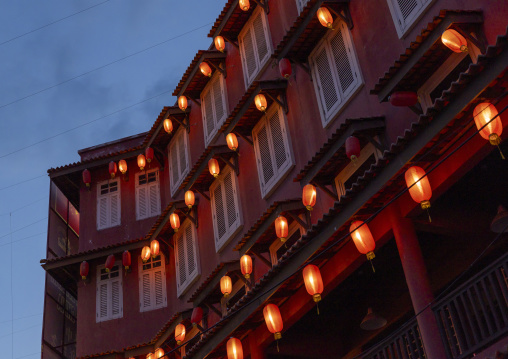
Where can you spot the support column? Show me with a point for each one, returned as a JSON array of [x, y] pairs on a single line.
[[417, 282]]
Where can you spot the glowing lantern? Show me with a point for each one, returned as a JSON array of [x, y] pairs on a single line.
[[145, 253], [182, 103], [244, 5], [353, 148], [189, 199], [197, 316], [260, 101], [87, 178], [154, 248], [150, 356], [220, 44], [175, 221], [246, 265], [281, 228], [273, 320], [362, 237], [168, 125], [110, 262], [232, 141], [454, 41], [309, 196], [285, 68], [180, 333], [84, 268], [205, 69], [313, 282], [159, 353], [403, 99], [234, 348], [112, 169], [325, 18], [122, 166], [226, 286], [485, 114], [213, 167], [126, 259], [149, 154], [141, 161], [419, 186]]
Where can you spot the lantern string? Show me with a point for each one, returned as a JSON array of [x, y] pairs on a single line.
[[317, 307], [277, 345], [500, 152], [428, 213], [372, 265]]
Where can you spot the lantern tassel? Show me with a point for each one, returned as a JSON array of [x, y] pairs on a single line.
[[428, 213], [317, 307], [501, 152], [277, 345], [372, 265]]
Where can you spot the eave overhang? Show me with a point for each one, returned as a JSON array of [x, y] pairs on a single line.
[[231, 20], [206, 292]]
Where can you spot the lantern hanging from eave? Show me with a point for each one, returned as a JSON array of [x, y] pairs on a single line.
[[309, 196], [126, 259], [182, 103], [246, 265], [190, 199], [260, 101], [205, 69], [84, 268], [226, 285], [353, 148], [175, 221], [273, 320], [149, 154], [244, 5], [196, 316], [122, 166], [281, 228], [141, 161], [87, 178], [112, 169], [213, 167], [145, 253], [168, 125], [110, 262], [403, 99], [419, 187], [232, 141], [453, 40], [486, 114], [159, 353], [313, 282], [154, 248], [150, 356], [219, 42], [325, 18], [363, 239], [234, 348], [180, 333], [285, 68]]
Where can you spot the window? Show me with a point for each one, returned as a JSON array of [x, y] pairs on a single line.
[[335, 71], [300, 4], [109, 301], [108, 204], [225, 208], [186, 253], [406, 12], [148, 200], [152, 284], [272, 147], [213, 106], [178, 159], [278, 248], [255, 45]]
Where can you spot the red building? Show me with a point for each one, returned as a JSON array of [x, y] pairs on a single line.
[[349, 105]]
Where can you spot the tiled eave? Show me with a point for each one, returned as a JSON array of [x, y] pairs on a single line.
[[211, 282], [231, 20], [157, 136]]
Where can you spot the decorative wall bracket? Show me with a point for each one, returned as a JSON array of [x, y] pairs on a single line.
[[331, 194], [234, 43], [184, 123], [344, 15], [202, 193], [221, 68], [283, 102], [306, 224], [233, 165], [263, 4], [191, 217], [244, 137]]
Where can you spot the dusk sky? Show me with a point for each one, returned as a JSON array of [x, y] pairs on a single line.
[[74, 74]]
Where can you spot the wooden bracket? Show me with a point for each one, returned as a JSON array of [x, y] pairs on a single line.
[[234, 166], [246, 138], [376, 144], [417, 108], [213, 309], [202, 194], [231, 42], [305, 225], [263, 4], [303, 66], [344, 15], [261, 258], [159, 155], [193, 219], [479, 43], [195, 100], [334, 196], [240, 277], [183, 123], [282, 103], [220, 69]]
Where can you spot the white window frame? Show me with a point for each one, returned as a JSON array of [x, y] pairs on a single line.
[[404, 26], [279, 174], [109, 197], [300, 4], [231, 230], [217, 122], [328, 116], [191, 278], [149, 212], [151, 272], [275, 246], [173, 146], [259, 62], [109, 283]]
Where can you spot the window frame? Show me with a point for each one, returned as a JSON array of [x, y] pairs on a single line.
[[151, 273], [148, 185], [174, 145], [403, 27], [300, 5], [277, 244], [212, 136], [182, 288], [109, 283], [108, 196]]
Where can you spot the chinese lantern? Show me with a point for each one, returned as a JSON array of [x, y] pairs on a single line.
[[126, 259], [175, 221], [454, 41], [189, 199], [159, 353], [485, 114], [309, 196], [154, 248], [234, 348], [353, 148], [213, 167], [196, 316], [168, 125], [149, 154], [325, 18], [226, 286], [110, 262], [362, 237], [260, 101], [87, 178], [122, 166], [182, 103], [220, 44], [180, 333], [419, 186], [403, 99], [285, 68], [273, 320], [150, 356], [232, 141], [141, 161], [84, 268], [112, 169], [246, 265], [145, 253], [205, 69], [281, 228], [313, 282], [244, 5]]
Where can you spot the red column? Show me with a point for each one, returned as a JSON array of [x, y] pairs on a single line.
[[418, 283]]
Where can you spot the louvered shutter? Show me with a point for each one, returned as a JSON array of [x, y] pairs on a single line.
[[344, 61], [249, 58], [102, 212], [191, 252], [180, 262], [264, 158], [116, 298], [325, 81], [231, 199], [209, 122], [145, 291], [141, 202], [173, 163], [115, 209], [261, 38], [109, 294], [154, 198], [219, 102], [182, 153], [301, 4], [102, 301], [219, 219], [281, 153], [160, 297], [407, 11]]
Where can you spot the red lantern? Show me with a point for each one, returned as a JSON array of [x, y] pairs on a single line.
[[145, 253], [285, 68], [219, 42], [159, 353], [313, 281], [273, 320], [234, 348], [154, 248], [244, 5], [197, 316], [141, 161], [485, 114], [309, 196], [126, 259], [213, 167], [324, 17], [112, 169], [353, 148], [168, 125], [110, 262], [189, 199], [226, 285], [281, 228], [454, 41], [232, 141], [122, 166], [87, 178], [180, 333], [205, 69], [182, 103], [149, 154], [419, 186], [403, 99], [150, 356], [175, 221], [84, 268], [246, 265], [260, 102], [363, 239]]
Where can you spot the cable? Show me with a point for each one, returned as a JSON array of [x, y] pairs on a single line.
[[52, 23], [17, 183], [28, 225], [26, 205], [22, 330], [22, 239], [20, 318], [24, 356]]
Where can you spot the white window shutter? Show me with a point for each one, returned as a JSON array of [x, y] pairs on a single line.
[[279, 137], [328, 94], [261, 37], [180, 261], [102, 301], [264, 157], [141, 202], [249, 56], [115, 209], [230, 196], [173, 166], [219, 101], [183, 154], [207, 110], [116, 298], [191, 252], [219, 219], [145, 295], [407, 11], [160, 298], [102, 212], [154, 198]]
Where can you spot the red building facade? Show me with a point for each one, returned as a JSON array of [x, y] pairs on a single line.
[[436, 288]]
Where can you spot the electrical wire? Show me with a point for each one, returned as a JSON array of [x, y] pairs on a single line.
[[20, 318], [22, 207], [24, 356], [22, 239], [21, 182], [19, 331], [28, 225]]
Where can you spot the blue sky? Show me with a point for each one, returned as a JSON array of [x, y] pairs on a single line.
[[57, 55]]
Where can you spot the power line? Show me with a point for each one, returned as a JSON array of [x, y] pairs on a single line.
[[28, 225], [18, 183], [22, 330], [20, 318], [20, 208], [22, 239], [24, 356]]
